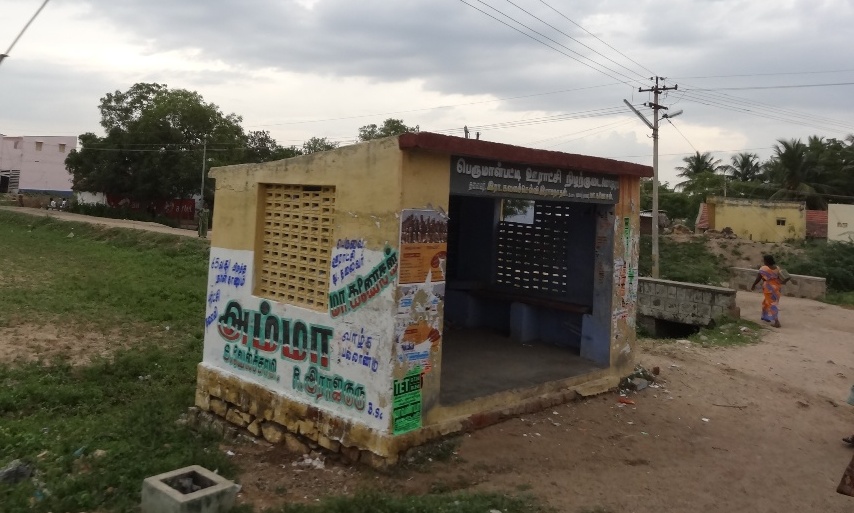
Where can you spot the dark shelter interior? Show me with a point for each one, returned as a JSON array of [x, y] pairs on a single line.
[[523, 304]]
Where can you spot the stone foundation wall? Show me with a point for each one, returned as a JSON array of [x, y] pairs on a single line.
[[810, 287], [278, 420], [233, 407]]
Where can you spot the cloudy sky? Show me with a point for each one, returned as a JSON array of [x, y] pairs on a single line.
[[537, 73]]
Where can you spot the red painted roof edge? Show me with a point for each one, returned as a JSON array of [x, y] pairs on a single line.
[[506, 152]]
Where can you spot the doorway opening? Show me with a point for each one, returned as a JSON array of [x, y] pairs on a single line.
[[528, 290]]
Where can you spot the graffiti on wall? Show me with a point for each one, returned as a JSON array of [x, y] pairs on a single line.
[[348, 256], [267, 333], [340, 365], [359, 347], [406, 402], [226, 273], [229, 273], [423, 246], [329, 387], [364, 288]]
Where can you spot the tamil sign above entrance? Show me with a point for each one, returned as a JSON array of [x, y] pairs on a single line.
[[479, 177]]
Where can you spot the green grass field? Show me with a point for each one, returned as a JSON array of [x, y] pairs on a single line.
[[128, 286]]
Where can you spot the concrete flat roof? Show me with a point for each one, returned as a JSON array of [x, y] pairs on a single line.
[[463, 147]]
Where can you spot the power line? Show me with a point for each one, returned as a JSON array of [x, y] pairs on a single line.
[[727, 98], [794, 86], [547, 139], [773, 74], [597, 38], [509, 98], [576, 40], [713, 103], [683, 135], [545, 44], [610, 111], [598, 130]]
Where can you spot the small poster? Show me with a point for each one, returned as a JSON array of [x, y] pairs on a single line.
[[423, 246], [406, 402]]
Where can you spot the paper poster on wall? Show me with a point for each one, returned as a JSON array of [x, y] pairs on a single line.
[[423, 246], [418, 325], [406, 402]]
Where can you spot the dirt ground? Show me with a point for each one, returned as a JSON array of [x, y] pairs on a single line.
[[103, 221], [742, 429], [740, 252]]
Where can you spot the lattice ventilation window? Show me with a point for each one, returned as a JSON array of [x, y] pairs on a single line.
[[533, 256], [297, 241]]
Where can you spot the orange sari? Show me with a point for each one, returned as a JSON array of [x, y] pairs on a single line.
[[771, 286]]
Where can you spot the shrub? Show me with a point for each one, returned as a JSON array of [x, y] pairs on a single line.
[[831, 260]]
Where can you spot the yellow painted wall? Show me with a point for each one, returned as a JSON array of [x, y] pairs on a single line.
[[757, 219], [426, 180], [840, 223], [367, 182]]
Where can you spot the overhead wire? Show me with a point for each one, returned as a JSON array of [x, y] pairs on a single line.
[[722, 105], [450, 106], [550, 39], [770, 74], [597, 38], [786, 86], [574, 39], [593, 131], [683, 135]]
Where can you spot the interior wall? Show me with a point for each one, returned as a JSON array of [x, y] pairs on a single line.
[[475, 220], [596, 326], [580, 254]]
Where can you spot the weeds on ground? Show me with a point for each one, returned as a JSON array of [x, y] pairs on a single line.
[[691, 261], [831, 260], [93, 433], [433, 503], [728, 332]]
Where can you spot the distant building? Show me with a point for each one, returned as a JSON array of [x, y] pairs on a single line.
[[35, 164], [816, 224], [646, 221], [840, 223], [754, 219]]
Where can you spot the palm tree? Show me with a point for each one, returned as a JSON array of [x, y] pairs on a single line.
[[744, 167], [795, 169], [699, 163]]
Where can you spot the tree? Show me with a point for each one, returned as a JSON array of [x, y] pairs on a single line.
[[697, 164], [316, 144], [390, 127], [676, 204], [261, 147], [155, 140], [796, 172], [744, 167]]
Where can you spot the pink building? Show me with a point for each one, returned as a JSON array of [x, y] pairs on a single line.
[[35, 164]]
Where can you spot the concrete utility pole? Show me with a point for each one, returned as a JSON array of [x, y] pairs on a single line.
[[655, 106]]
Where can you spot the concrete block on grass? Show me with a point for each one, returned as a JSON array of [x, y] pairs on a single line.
[[190, 489]]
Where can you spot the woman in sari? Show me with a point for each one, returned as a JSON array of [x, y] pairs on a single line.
[[772, 283]]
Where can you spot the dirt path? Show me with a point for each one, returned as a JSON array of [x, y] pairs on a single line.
[[103, 221], [743, 429]]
